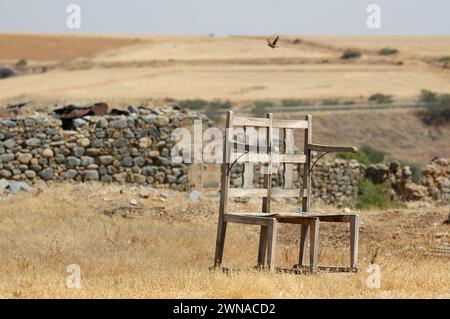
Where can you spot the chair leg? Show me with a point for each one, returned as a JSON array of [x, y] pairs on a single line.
[[262, 246], [303, 243], [354, 238], [220, 243], [314, 244], [272, 242]]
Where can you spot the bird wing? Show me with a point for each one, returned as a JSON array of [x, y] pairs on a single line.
[[268, 41], [276, 40]]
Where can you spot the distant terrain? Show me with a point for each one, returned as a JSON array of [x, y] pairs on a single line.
[[132, 69]]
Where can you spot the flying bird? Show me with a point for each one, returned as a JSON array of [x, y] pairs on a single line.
[[273, 44]]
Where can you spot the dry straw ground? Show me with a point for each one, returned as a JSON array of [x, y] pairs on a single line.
[[165, 249]]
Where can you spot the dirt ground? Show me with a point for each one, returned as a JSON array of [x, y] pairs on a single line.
[[164, 247]]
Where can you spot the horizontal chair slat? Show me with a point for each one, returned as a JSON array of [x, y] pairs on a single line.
[[262, 122], [264, 158], [262, 192], [302, 124], [250, 121]]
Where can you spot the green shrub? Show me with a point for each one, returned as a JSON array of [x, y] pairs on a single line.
[[374, 155], [374, 196], [196, 104], [262, 104], [388, 51], [445, 61], [351, 54], [294, 102], [416, 171], [380, 98], [360, 157], [330, 102], [297, 41], [428, 97], [437, 110], [22, 63]]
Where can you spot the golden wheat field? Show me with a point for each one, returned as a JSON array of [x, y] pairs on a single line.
[[164, 250]]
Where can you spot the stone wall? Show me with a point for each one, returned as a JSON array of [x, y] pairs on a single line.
[[333, 180], [136, 149], [132, 149]]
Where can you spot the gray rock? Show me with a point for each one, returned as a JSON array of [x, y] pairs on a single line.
[[70, 174], [121, 142], [73, 161], [29, 122], [5, 173], [9, 123], [139, 161], [78, 123], [102, 123], [78, 151], [161, 121], [127, 161], [154, 132], [59, 158], [195, 195], [33, 142], [10, 143], [87, 160], [5, 158], [171, 179], [3, 185], [148, 171], [30, 174], [120, 123], [160, 176], [106, 179], [106, 159], [24, 158], [183, 179], [139, 179], [151, 118], [91, 175], [46, 174], [14, 187]]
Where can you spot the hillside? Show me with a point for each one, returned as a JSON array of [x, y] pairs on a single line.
[[121, 70]]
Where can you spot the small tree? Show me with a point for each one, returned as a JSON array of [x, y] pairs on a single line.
[[380, 98], [351, 54], [22, 63], [388, 51]]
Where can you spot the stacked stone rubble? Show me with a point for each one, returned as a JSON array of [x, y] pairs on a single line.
[[124, 149]]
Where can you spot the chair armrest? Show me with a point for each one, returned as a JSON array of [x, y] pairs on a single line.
[[332, 149]]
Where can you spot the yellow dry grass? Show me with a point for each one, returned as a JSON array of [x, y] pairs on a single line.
[[165, 251], [238, 68]]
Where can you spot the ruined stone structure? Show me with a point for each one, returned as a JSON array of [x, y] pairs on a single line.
[[135, 148], [124, 149]]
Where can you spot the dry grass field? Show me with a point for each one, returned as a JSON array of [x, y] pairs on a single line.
[[121, 70], [236, 68], [165, 249]]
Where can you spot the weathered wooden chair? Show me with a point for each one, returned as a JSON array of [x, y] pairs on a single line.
[[249, 152]]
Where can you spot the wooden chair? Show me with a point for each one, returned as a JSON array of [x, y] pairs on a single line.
[[245, 152]]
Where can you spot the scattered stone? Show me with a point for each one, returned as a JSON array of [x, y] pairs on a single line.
[[14, 187], [195, 195]]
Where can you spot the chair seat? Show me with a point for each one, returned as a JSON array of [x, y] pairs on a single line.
[[255, 217], [292, 217]]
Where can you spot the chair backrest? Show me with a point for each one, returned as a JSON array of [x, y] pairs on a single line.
[[249, 140]]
